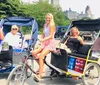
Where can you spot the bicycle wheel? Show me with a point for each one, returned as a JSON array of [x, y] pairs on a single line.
[[17, 76], [91, 75]]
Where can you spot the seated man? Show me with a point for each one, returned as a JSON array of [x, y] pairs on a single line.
[[14, 38]]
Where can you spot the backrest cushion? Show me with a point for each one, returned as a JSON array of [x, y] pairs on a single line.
[[83, 49]]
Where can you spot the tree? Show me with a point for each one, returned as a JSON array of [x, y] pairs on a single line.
[[36, 10], [10, 8]]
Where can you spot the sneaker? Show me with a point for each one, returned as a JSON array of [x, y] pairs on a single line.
[[36, 78], [37, 72]]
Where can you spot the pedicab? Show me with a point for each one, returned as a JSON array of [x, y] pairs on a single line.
[[60, 31], [83, 63], [10, 58]]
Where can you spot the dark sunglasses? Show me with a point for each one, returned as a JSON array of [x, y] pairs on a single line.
[[14, 29]]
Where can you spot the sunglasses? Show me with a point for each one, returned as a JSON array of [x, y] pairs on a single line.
[[14, 29]]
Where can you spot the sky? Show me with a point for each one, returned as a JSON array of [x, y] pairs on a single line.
[[80, 5]]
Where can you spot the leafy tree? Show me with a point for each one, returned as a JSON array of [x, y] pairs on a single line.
[[10, 8], [38, 11], [35, 10]]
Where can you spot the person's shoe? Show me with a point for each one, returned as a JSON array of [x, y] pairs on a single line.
[[36, 78], [37, 72]]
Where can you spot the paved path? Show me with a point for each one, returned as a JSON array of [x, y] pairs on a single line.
[[46, 81]]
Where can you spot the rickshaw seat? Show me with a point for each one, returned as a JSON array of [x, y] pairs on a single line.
[[82, 51], [6, 55], [60, 60]]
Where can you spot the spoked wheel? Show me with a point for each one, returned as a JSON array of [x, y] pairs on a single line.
[[91, 74], [17, 76], [5, 66]]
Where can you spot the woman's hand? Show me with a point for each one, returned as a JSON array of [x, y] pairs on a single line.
[[81, 40], [41, 40]]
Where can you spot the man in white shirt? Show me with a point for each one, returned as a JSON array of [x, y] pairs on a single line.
[[13, 37]]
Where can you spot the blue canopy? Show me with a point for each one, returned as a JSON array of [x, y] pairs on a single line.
[[21, 21]]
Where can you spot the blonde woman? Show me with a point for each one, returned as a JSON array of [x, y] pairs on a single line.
[[74, 40], [47, 44]]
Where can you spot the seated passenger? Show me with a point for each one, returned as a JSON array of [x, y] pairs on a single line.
[[60, 58], [14, 37], [73, 41]]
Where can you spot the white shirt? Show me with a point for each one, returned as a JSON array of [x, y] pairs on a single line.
[[13, 40]]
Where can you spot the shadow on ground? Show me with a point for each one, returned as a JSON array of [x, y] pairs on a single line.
[[55, 81], [4, 75], [47, 81]]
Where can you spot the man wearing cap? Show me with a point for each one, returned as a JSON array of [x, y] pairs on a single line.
[[13, 37]]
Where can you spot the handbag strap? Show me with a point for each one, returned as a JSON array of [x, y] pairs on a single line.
[[66, 40]]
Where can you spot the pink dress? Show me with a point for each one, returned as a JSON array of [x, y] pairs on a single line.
[[50, 43]]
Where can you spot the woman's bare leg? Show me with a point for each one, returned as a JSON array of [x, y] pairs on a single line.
[[35, 52], [41, 61]]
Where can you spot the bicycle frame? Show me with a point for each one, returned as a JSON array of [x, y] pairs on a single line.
[[25, 64]]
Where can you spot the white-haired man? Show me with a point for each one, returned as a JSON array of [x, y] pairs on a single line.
[[13, 37]]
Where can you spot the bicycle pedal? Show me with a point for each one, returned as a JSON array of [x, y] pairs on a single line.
[[29, 75]]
